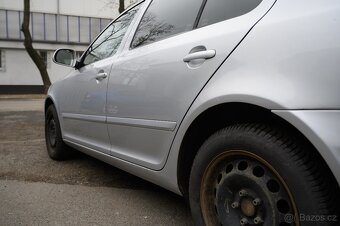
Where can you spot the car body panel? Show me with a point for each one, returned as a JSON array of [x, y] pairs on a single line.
[[322, 128], [288, 64], [252, 73], [153, 82], [82, 106], [81, 101]]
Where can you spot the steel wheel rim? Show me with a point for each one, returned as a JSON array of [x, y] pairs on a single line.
[[240, 188]]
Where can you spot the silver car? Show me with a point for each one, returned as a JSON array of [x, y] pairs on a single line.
[[233, 104]]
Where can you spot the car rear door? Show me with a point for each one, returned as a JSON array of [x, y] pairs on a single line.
[[177, 47]]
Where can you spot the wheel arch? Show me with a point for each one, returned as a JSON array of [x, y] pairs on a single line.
[[218, 117], [48, 102]]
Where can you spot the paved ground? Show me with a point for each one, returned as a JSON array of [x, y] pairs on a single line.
[[35, 190]]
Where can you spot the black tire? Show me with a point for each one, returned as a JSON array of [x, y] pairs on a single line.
[[245, 162], [56, 148]]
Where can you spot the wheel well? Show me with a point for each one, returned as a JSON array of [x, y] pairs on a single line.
[[48, 103], [219, 117]]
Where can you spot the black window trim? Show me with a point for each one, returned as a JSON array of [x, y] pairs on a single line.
[[198, 18], [135, 32], [201, 12]]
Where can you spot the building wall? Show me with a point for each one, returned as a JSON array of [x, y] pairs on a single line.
[[54, 24], [46, 27], [88, 8], [19, 69]]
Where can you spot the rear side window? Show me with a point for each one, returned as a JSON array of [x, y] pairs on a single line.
[[219, 10], [165, 18]]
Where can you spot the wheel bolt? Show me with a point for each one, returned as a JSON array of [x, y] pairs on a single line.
[[243, 193], [256, 202], [258, 220], [243, 221], [235, 205]]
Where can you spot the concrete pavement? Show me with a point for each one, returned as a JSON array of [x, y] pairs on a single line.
[[35, 190], [27, 203]]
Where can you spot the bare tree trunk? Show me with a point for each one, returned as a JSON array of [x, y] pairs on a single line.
[[121, 6], [37, 59]]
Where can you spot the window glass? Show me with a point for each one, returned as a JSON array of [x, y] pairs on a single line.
[[219, 10], [108, 42], [165, 18]]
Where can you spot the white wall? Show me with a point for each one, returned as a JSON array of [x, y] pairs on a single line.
[[20, 69], [89, 8], [48, 6]]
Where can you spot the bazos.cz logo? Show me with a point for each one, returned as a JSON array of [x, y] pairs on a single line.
[[290, 218]]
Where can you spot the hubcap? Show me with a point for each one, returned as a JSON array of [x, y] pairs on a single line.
[[52, 132], [247, 207], [240, 188]]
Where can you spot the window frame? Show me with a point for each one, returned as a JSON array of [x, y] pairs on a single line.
[[201, 13], [196, 23], [198, 16], [80, 62]]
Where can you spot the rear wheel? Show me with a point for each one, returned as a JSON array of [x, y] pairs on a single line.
[[254, 175], [56, 148]]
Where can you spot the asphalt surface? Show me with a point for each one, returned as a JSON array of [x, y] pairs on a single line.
[[35, 190]]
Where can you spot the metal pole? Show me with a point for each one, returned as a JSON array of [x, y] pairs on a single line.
[[90, 29], [79, 29], [56, 27], [7, 35], [68, 30], [19, 13], [58, 20], [32, 25], [44, 18]]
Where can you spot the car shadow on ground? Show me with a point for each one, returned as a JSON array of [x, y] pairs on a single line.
[[23, 157], [30, 180]]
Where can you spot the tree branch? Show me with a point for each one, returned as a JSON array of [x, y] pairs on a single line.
[[121, 6], [35, 56]]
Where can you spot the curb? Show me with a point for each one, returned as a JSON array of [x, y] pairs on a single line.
[[22, 96]]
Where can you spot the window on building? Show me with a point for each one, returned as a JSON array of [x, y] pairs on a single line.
[[166, 18], [219, 10], [109, 41]]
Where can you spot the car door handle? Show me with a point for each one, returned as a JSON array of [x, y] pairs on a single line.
[[101, 75], [206, 54]]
